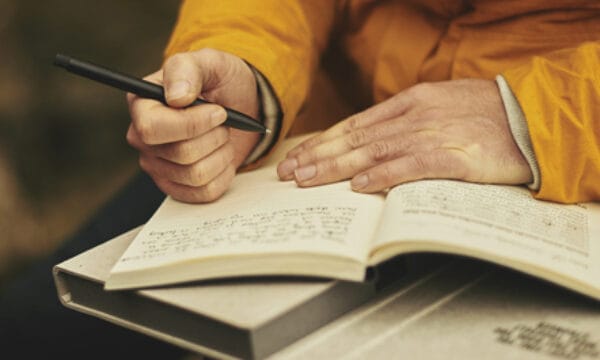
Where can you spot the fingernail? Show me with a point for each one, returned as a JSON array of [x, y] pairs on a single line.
[[359, 182], [287, 167], [178, 90], [218, 116], [305, 173]]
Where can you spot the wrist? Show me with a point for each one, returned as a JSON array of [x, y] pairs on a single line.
[[518, 127], [269, 113]]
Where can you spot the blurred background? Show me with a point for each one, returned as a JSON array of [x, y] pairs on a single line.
[[62, 137]]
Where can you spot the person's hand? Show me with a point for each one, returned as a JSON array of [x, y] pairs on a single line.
[[455, 129], [185, 150]]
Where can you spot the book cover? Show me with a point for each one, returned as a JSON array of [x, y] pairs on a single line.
[[465, 309], [248, 318]]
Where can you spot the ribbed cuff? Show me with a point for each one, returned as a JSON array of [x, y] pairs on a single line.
[[519, 130], [269, 113]]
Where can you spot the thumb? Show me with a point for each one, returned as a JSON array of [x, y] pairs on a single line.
[[182, 79]]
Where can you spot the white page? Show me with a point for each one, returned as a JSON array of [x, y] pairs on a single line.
[[259, 214], [504, 221]]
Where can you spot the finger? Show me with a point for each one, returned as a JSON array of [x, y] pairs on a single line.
[[347, 165], [183, 152], [139, 105], [195, 175], [332, 169], [159, 124], [438, 164], [156, 78], [183, 79], [201, 194], [135, 141], [314, 141], [393, 107], [314, 154], [348, 142], [187, 152]]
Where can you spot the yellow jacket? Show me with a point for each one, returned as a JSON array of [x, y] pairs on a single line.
[[548, 51]]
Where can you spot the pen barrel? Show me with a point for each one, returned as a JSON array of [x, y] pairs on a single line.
[[145, 89], [112, 78]]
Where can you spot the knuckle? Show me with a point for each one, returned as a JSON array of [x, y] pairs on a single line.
[[145, 130], [386, 175], [196, 175], [307, 157], [378, 151], [357, 138], [185, 195], [352, 124], [210, 56], [330, 165], [176, 60], [197, 121], [420, 164], [193, 127], [212, 191], [354, 164], [220, 186], [130, 137], [183, 153]]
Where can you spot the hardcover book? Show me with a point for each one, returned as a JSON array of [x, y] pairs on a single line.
[[250, 318]]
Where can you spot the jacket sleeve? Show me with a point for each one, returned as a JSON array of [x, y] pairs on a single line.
[[559, 94], [282, 39]]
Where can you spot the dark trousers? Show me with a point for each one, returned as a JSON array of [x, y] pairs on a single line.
[[33, 323]]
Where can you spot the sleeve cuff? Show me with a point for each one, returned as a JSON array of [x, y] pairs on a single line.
[[519, 130], [270, 114]]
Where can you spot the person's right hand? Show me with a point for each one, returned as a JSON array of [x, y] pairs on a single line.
[[185, 150]]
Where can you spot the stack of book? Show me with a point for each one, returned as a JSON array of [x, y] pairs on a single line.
[[270, 264]]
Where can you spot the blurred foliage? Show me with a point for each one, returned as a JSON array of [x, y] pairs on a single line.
[[62, 137]]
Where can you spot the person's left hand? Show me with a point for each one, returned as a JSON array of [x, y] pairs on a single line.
[[455, 129]]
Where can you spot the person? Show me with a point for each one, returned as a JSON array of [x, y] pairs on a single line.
[[481, 91], [476, 90]]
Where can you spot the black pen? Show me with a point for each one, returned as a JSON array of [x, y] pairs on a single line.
[[146, 89]]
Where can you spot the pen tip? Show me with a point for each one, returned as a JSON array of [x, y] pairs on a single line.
[[267, 131]]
